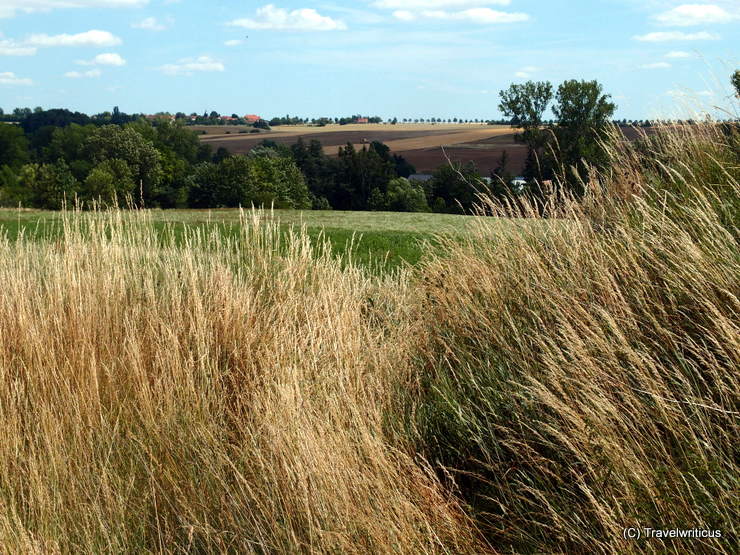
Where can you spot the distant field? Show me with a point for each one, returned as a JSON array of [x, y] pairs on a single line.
[[381, 241], [427, 146]]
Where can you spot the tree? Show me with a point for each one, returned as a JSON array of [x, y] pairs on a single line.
[[736, 82], [33, 121], [111, 141], [583, 113], [110, 182], [359, 172], [455, 188], [525, 104], [405, 196], [319, 170], [249, 180], [49, 186], [377, 202], [13, 146]]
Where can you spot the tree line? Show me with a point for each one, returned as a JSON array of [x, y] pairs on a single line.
[[57, 157]]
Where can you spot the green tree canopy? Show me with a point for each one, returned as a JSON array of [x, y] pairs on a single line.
[[583, 112], [110, 183], [113, 142], [49, 186], [526, 104], [249, 180], [455, 188], [13, 146]]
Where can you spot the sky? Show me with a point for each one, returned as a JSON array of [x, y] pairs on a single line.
[[392, 58]]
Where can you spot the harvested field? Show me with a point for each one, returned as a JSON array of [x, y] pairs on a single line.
[[421, 144], [428, 159]]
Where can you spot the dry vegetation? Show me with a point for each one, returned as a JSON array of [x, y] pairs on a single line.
[[536, 394]]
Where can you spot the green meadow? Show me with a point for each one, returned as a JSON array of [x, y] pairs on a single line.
[[381, 241]]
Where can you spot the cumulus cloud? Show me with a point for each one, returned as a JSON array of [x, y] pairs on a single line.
[[10, 78], [484, 16], [279, 19], [105, 59], [88, 38], [149, 24], [10, 8], [188, 66], [83, 74], [656, 65], [695, 14], [9, 47], [665, 36]]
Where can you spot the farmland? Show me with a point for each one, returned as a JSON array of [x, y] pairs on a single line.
[[426, 146]]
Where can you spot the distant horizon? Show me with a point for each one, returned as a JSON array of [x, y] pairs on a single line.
[[500, 120], [658, 59]]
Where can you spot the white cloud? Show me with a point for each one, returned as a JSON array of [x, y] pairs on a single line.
[[404, 15], [473, 11], [81, 74], [234, 42], [656, 65], [10, 78], [436, 4], [695, 14], [279, 19], [679, 54], [665, 36], [10, 8], [88, 38], [187, 66], [149, 24], [473, 15], [9, 47], [105, 59]]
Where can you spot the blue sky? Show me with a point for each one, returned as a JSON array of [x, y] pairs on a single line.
[[404, 58]]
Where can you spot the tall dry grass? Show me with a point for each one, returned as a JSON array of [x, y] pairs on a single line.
[[220, 395], [534, 391], [584, 376]]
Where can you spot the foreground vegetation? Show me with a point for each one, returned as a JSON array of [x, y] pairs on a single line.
[[251, 392]]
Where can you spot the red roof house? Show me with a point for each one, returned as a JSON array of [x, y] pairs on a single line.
[[251, 118]]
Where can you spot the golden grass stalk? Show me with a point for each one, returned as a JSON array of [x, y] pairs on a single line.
[[212, 394]]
